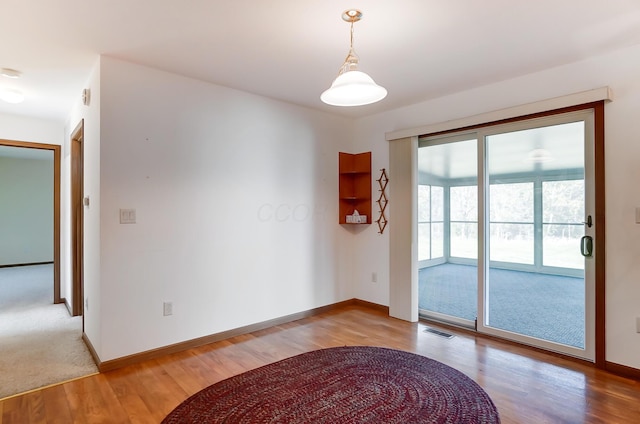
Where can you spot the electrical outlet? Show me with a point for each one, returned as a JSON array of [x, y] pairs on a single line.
[[167, 308], [374, 277]]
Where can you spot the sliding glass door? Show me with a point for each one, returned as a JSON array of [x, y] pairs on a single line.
[[516, 239], [448, 229]]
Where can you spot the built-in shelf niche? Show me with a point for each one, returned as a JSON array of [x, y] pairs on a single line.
[[354, 187]]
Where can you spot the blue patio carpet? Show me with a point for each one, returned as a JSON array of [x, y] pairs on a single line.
[[548, 307]]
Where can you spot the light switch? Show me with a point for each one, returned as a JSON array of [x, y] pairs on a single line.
[[127, 216], [637, 215]]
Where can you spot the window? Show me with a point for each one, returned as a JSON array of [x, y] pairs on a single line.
[[562, 227], [464, 221], [430, 222], [511, 223]]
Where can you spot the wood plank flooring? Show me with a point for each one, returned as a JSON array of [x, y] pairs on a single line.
[[527, 386]]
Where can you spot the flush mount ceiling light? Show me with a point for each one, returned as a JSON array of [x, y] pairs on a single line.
[[10, 73], [539, 156], [11, 95], [352, 87]]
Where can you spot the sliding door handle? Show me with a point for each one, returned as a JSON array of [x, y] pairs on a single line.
[[586, 246]]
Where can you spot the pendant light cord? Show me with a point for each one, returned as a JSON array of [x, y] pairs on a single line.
[[351, 61], [351, 40]]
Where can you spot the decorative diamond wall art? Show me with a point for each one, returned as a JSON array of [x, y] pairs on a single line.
[[382, 200]]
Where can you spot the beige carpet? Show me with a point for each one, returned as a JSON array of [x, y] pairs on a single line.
[[40, 343]]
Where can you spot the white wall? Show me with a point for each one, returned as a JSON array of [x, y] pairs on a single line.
[[90, 116], [26, 210], [34, 130], [236, 206], [618, 70]]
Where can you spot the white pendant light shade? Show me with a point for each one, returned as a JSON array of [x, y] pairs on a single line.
[[353, 88]]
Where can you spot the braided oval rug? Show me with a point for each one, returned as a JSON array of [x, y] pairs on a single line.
[[356, 384]]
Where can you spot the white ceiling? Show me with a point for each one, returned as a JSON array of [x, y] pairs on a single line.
[[508, 153], [291, 49]]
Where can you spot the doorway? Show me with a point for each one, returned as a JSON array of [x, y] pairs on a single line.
[[56, 150], [506, 231]]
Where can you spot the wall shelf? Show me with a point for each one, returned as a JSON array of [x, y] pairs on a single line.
[[354, 187]]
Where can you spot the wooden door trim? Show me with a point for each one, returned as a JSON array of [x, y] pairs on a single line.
[[599, 186], [77, 219], [56, 205]]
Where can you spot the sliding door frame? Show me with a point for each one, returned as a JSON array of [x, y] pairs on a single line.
[[599, 207], [484, 264]]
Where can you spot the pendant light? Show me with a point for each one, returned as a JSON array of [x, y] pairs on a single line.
[[352, 87]]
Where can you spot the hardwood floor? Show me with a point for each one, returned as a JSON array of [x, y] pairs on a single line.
[[527, 386]]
